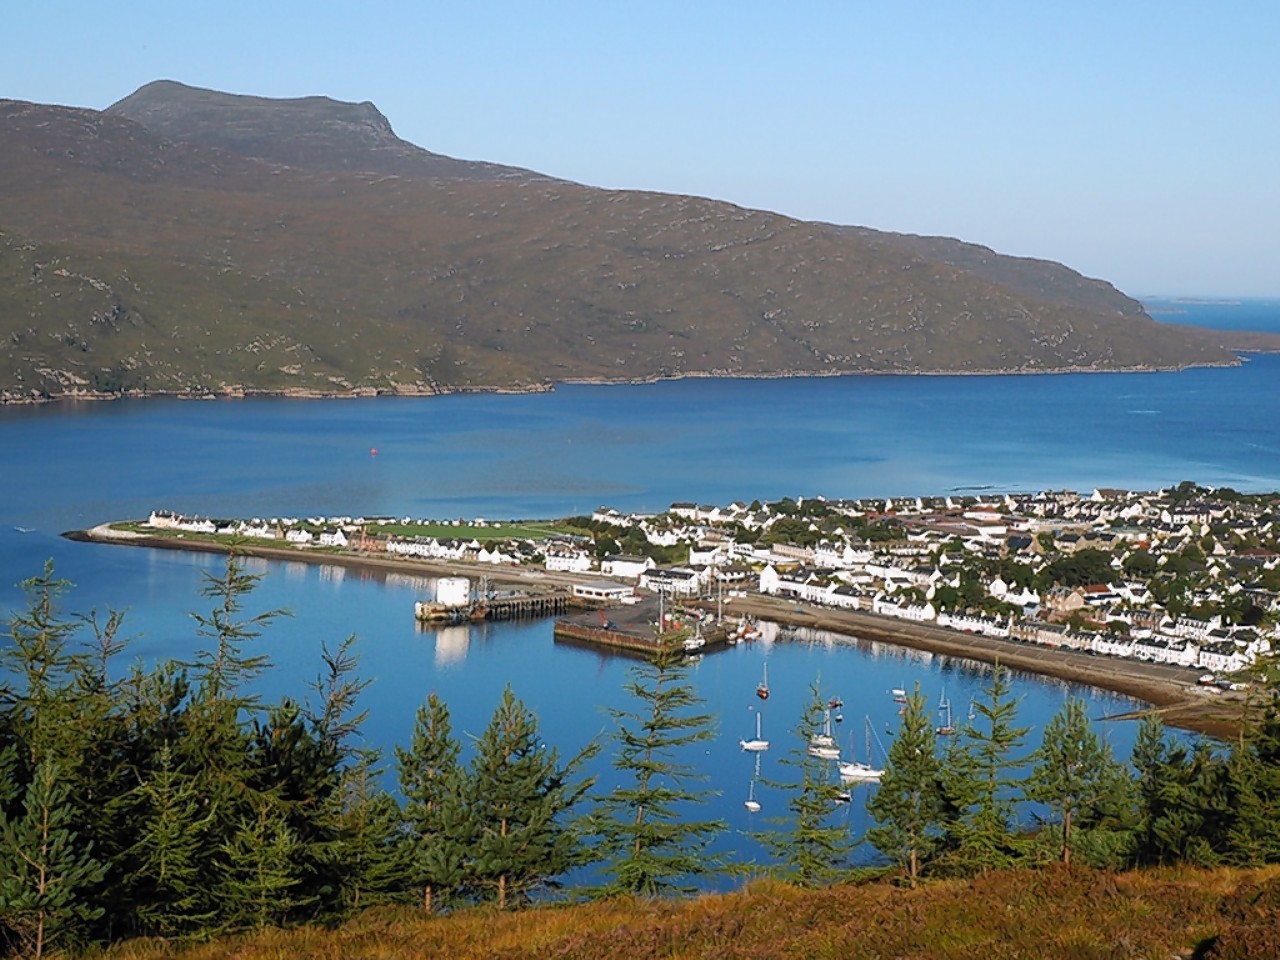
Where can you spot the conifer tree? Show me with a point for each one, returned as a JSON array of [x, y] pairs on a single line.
[[519, 798], [1149, 760], [166, 870], [222, 670], [260, 878], [979, 777], [45, 868], [433, 787], [367, 854], [814, 850], [649, 839], [296, 771], [1075, 774], [908, 805]]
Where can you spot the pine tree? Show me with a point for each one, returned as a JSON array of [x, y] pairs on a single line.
[[260, 878], [167, 872], [814, 850], [979, 778], [45, 868], [1149, 761], [295, 773], [367, 856], [908, 804], [1075, 774], [649, 841], [433, 787], [519, 797], [224, 669]]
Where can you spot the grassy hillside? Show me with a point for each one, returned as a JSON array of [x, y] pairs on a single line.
[[137, 262], [1050, 913]]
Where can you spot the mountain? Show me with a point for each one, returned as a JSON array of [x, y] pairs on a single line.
[[225, 244], [311, 133]]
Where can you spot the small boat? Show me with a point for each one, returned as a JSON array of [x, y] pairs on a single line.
[[944, 707], [751, 803], [857, 771], [757, 745], [899, 695], [762, 688], [823, 745]]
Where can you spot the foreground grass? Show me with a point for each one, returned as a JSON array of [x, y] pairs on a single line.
[[1051, 913]]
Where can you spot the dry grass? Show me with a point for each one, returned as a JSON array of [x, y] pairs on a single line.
[[1051, 913]]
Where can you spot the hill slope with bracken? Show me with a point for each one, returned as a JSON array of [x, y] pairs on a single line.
[[228, 244], [1050, 913]]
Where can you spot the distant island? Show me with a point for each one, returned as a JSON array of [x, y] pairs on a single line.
[[192, 243]]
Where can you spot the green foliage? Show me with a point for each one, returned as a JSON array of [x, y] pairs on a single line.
[[1077, 778], [649, 843], [812, 850], [518, 799], [222, 670], [981, 785], [45, 867], [432, 784], [908, 806]]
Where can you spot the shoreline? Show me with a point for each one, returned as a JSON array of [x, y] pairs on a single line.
[[421, 391], [1172, 691]]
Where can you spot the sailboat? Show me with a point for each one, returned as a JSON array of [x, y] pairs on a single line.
[[823, 745], [944, 707], [857, 771], [762, 688], [751, 803], [757, 745], [899, 694]]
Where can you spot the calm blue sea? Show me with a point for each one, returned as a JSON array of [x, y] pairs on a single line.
[[579, 447]]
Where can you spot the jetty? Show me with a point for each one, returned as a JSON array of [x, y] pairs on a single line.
[[635, 629]]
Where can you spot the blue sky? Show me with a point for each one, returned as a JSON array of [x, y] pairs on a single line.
[[1134, 141]]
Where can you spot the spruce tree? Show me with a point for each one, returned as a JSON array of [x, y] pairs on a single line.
[[519, 798], [908, 804], [813, 849], [440, 835], [45, 868], [225, 667], [167, 872], [1075, 775], [1149, 761], [367, 855], [980, 778], [260, 879], [649, 838]]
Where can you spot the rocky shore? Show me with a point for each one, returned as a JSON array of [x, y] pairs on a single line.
[[1172, 691]]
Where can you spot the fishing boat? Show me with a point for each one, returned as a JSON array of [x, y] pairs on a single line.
[[823, 745], [762, 688], [944, 708], [858, 771], [757, 745]]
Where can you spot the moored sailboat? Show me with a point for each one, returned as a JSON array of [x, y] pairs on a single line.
[[858, 771], [823, 745], [757, 745], [762, 688]]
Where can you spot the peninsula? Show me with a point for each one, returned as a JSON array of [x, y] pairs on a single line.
[[1171, 596]]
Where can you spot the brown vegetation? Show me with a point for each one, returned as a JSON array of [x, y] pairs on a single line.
[[1050, 913]]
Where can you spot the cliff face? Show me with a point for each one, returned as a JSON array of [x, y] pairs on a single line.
[[187, 240]]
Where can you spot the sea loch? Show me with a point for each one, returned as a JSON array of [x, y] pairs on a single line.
[[630, 447]]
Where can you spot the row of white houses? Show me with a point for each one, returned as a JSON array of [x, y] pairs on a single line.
[[1203, 646]]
